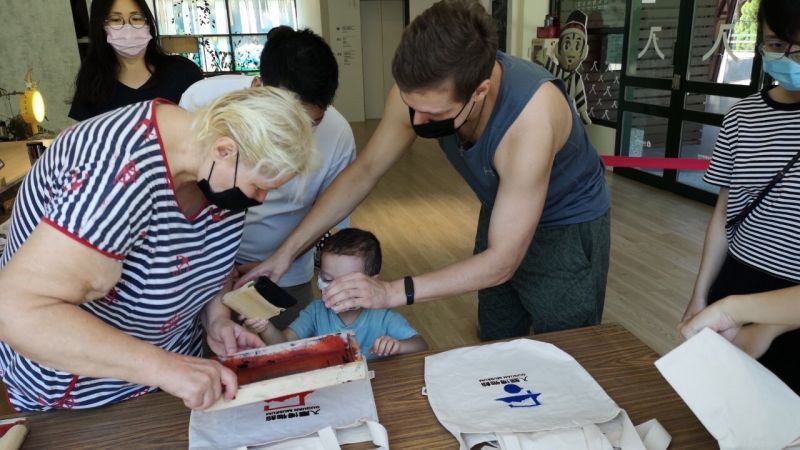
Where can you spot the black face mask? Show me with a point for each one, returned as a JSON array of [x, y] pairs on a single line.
[[232, 199], [438, 128]]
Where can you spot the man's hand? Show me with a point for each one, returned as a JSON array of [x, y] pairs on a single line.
[[226, 337], [358, 290]]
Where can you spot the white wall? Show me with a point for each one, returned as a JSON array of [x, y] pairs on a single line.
[[371, 39], [309, 15], [341, 25], [603, 138], [415, 7], [392, 20], [382, 26], [39, 34], [523, 18]]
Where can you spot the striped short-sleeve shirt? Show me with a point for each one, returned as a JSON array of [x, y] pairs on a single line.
[[106, 184], [759, 136]]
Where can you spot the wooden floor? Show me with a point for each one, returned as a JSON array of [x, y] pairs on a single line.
[[425, 217]]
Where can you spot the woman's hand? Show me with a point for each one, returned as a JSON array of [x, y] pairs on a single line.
[[274, 268], [696, 304], [226, 337], [198, 382], [756, 338], [717, 317], [357, 290]]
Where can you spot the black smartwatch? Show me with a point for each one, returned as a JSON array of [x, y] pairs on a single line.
[[409, 283]]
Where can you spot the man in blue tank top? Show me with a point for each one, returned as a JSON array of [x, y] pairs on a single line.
[[509, 128]]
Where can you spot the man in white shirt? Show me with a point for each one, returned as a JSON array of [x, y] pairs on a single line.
[[302, 62]]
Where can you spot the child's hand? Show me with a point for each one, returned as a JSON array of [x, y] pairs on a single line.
[[257, 325], [385, 346]]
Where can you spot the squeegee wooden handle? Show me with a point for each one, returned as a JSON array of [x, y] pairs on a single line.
[[13, 438], [249, 303]]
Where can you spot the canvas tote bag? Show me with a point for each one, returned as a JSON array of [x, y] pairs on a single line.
[[317, 420], [739, 401], [525, 395]]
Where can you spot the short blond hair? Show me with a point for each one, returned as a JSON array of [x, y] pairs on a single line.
[[270, 126]]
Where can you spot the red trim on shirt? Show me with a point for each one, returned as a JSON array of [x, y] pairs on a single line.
[[5, 396], [170, 180], [66, 401], [80, 240]]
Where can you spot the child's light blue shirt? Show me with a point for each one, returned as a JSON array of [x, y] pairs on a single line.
[[316, 320]]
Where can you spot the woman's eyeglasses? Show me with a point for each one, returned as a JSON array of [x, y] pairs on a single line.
[[773, 51], [116, 21]]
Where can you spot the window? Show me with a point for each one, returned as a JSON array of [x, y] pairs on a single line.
[[229, 33]]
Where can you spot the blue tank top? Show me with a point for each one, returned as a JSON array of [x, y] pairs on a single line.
[[577, 191]]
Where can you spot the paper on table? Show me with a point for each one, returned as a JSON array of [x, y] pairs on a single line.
[[741, 403]]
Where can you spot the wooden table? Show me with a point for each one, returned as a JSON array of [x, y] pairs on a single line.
[[15, 156], [621, 363]]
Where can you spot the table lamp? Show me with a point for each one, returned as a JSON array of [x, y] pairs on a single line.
[[31, 103]]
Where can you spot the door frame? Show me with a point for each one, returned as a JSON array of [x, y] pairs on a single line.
[[675, 113]]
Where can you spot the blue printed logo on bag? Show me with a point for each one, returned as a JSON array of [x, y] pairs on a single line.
[[511, 385], [526, 400]]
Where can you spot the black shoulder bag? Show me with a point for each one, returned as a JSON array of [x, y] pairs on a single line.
[[734, 223]]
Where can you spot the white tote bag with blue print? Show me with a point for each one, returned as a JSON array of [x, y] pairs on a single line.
[[524, 395], [316, 420]]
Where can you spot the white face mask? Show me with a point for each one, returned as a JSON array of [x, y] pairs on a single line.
[[322, 284]]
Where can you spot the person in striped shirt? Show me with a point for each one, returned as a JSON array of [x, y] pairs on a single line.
[[122, 241], [752, 246]]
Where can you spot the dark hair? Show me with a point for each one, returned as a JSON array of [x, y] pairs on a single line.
[[782, 16], [97, 76], [356, 242], [301, 62], [452, 40]]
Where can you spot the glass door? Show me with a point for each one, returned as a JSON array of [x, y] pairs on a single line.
[[686, 63]]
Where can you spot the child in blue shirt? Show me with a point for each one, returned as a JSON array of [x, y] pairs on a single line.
[[379, 332]]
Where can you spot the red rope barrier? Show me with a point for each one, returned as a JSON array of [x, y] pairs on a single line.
[[656, 163]]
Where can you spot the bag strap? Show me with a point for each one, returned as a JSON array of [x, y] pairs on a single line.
[[328, 439], [734, 222], [594, 439], [508, 441]]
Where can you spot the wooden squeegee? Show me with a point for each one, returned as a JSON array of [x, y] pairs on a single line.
[[294, 367], [260, 299], [12, 433]]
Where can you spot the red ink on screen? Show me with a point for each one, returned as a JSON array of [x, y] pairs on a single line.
[[328, 351]]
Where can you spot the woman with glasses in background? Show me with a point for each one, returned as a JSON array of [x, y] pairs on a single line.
[[124, 63], [752, 246]]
